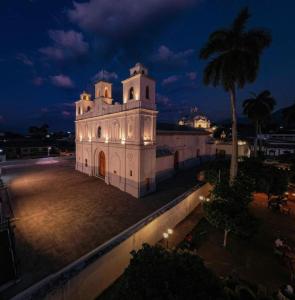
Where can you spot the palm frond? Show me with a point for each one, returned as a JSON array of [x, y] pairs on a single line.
[[241, 20]]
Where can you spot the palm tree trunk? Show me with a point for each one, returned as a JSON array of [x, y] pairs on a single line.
[[234, 156], [225, 238], [256, 139]]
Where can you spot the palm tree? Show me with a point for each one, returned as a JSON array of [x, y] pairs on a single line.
[[235, 57], [289, 115], [258, 108]]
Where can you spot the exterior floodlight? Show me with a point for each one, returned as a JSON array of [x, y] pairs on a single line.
[[170, 231]]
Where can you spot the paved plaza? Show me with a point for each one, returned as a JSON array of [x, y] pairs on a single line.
[[61, 214]]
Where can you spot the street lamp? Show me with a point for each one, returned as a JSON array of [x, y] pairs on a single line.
[[166, 235]]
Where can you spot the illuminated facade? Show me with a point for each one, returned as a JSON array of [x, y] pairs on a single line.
[[117, 142], [199, 121]]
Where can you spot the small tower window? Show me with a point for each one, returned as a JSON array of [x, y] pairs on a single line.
[[88, 108], [84, 97], [106, 93], [99, 132], [131, 93], [79, 111], [147, 92], [86, 162]]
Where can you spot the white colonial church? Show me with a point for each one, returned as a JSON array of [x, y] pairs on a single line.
[[119, 142]]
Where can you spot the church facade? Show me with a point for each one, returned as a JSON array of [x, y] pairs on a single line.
[[119, 142]]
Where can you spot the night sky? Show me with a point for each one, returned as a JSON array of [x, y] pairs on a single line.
[[52, 50]]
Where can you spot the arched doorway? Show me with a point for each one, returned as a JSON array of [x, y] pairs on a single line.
[[101, 164], [176, 160]]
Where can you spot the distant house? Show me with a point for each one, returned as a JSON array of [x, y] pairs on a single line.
[[278, 143]]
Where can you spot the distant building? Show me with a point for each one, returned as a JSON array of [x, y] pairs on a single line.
[[120, 144], [278, 143], [2, 155], [195, 121], [224, 148]]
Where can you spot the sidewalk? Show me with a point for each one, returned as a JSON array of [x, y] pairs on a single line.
[[183, 228]]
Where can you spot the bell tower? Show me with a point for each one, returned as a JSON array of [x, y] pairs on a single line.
[[84, 105], [139, 86], [103, 91]]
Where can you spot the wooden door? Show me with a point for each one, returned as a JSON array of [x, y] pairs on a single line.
[[102, 164]]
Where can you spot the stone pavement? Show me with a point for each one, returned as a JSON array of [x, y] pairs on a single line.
[[62, 214]]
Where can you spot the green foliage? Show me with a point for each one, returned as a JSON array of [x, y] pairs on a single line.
[[259, 107], [235, 53], [268, 179], [230, 216], [253, 176], [289, 115], [216, 170], [155, 273], [228, 208]]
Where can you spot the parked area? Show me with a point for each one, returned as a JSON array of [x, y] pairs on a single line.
[[62, 214]]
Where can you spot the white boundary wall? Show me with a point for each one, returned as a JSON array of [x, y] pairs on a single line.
[[90, 275]]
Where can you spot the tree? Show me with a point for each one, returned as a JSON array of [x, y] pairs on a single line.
[[156, 273], [235, 57], [228, 208], [266, 178], [289, 115], [258, 108], [38, 132]]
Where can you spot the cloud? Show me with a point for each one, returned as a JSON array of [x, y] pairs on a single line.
[[38, 81], [164, 55], [173, 78], [62, 81], [163, 100], [105, 75], [66, 45], [66, 113], [113, 18], [191, 75], [170, 79], [24, 59]]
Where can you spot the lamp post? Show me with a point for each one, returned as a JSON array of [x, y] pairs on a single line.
[[166, 236]]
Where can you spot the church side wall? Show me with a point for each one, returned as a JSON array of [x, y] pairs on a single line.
[[164, 167]]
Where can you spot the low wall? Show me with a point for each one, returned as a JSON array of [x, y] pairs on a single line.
[[89, 276]]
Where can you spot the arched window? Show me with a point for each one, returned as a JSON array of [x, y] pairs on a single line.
[[142, 72], [79, 111], [147, 92], [88, 108], [106, 93], [99, 132], [131, 93]]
